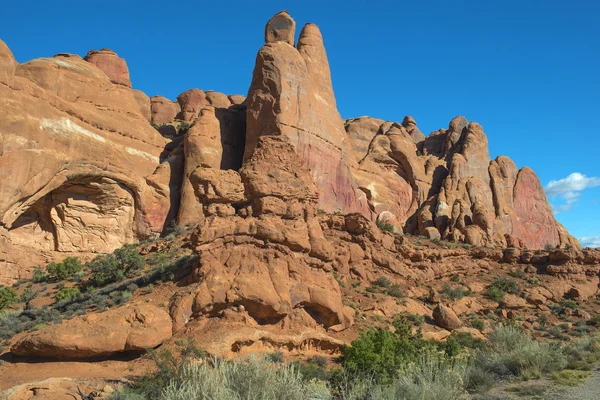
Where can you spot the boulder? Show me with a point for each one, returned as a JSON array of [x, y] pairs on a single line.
[[512, 301], [111, 64], [446, 318], [280, 28], [191, 102], [132, 328], [163, 110], [236, 99]]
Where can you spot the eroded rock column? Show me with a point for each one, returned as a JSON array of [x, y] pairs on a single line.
[[291, 95]]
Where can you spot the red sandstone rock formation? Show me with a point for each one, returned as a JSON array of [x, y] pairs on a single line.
[[78, 162], [111, 64], [93, 174], [291, 95]]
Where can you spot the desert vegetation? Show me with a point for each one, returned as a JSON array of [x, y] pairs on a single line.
[[379, 365], [71, 288]]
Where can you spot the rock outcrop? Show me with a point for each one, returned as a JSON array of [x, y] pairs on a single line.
[[94, 174], [445, 185], [291, 95], [111, 64], [127, 329], [81, 166]]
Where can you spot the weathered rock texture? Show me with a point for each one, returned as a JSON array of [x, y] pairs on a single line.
[[131, 328], [445, 185], [80, 165], [291, 95], [83, 170]]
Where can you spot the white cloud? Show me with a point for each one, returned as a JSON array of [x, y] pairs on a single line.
[[590, 241], [568, 189], [575, 182]]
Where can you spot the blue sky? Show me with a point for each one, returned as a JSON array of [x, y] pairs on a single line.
[[528, 71]]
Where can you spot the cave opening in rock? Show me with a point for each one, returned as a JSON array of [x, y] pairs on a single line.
[[89, 214]]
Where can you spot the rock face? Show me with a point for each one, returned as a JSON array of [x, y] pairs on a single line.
[[80, 165], [83, 170], [447, 183], [291, 95], [132, 328]]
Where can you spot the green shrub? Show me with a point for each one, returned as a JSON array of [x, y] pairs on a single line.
[[159, 259], [479, 380], [68, 293], [497, 289], [8, 296], [495, 294], [395, 291], [173, 230], [275, 357], [415, 319], [318, 360], [380, 353], [28, 295], [124, 262], [120, 297], [38, 275], [583, 353], [518, 273], [64, 269], [569, 377], [383, 282], [506, 285], [562, 306], [454, 293], [183, 128], [595, 320], [314, 369], [478, 324], [461, 340], [385, 226]]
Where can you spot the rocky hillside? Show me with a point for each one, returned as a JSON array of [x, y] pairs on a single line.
[[300, 228]]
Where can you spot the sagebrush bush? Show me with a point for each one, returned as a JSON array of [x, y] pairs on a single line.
[[506, 285], [513, 353], [458, 341], [495, 294], [382, 281], [430, 377], [64, 269], [254, 378]]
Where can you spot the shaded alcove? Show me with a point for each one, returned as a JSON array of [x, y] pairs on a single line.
[[91, 214]]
